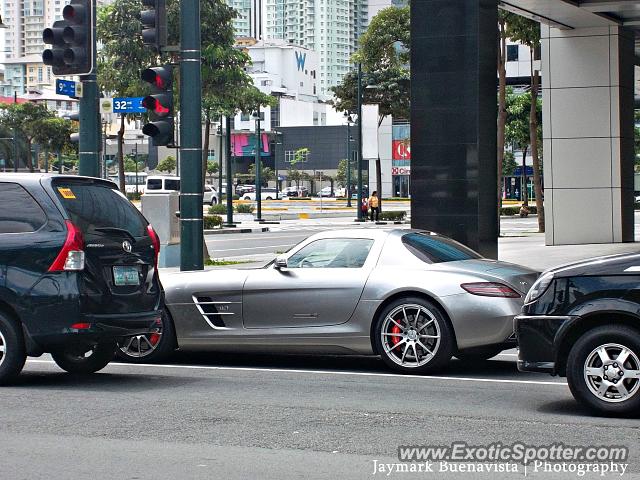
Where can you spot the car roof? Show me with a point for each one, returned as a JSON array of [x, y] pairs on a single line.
[[166, 177], [27, 178]]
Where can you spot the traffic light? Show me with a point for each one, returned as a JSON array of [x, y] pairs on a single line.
[[71, 40], [154, 23], [159, 104]]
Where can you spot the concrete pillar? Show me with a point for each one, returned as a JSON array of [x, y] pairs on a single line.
[[453, 120], [588, 132]]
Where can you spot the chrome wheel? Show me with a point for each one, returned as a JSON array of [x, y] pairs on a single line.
[[612, 373], [3, 348], [141, 346], [410, 335]]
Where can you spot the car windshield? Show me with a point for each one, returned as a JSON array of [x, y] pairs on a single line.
[[94, 206], [436, 249]]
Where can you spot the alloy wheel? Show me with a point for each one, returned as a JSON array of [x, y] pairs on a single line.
[[612, 373], [141, 346], [410, 335], [3, 348]]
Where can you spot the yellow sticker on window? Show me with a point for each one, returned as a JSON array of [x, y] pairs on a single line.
[[66, 193]]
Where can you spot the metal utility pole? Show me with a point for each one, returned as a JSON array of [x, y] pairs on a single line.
[[348, 159], [16, 160], [258, 167], [359, 208], [229, 176], [90, 133], [220, 163], [191, 233]]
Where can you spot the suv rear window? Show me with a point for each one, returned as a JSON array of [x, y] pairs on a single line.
[[19, 213], [93, 206], [435, 249]]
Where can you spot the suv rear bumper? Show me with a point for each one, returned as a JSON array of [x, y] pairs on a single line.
[[96, 329]]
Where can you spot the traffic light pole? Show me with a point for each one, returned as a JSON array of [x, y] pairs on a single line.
[[229, 176], [90, 132], [191, 233], [258, 168], [359, 206]]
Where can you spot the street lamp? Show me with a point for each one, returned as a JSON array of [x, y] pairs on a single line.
[[359, 208], [280, 142], [349, 118], [258, 166]]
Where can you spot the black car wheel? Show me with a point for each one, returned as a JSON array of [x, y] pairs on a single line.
[[12, 351], [149, 348], [603, 370], [478, 354], [84, 359], [412, 336]]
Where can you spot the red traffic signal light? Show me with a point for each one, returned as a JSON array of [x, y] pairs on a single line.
[[159, 104]]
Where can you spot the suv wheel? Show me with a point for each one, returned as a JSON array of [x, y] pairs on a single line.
[[12, 351], [412, 336], [603, 370], [149, 348], [84, 359]]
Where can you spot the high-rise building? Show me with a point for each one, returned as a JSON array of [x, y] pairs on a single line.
[[330, 27]]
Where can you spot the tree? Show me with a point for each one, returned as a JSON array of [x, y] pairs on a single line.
[[341, 174], [517, 128], [54, 135], [266, 174], [212, 167], [527, 32], [384, 53], [509, 164], [27, 120], [167, 165]]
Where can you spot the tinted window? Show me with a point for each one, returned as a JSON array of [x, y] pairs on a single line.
[[94, 206], [332, 253], [154, 184], [172, 185], [19, 213], [435, 249]]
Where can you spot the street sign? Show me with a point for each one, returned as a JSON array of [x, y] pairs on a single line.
[[128, 105], [69, 88]]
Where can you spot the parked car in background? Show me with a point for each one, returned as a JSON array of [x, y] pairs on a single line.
[[133, 182], [242, 189], [414, 298], [326, 192], [265, 194], [582, 321], [162, 184], [295, 192], [210, 195], [77, 272]]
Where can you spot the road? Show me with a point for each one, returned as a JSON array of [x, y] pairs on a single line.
[[265, 417]]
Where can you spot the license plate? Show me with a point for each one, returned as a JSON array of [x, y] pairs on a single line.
[[126, 276]]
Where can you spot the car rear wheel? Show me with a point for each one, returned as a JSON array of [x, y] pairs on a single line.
[[412, 336], [84, 359], [478, 354], [150, 348], [213, 201], [12, 351], [603, 370], [247, 198]]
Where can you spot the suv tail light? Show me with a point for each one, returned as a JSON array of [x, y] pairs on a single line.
[[490, 289], [155, 241], [71, 257]]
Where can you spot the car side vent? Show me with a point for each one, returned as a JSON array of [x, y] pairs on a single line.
[[212, 311]]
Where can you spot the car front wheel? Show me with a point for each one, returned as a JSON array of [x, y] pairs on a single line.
[[12, 351], [412, 336], [603, 370], [84, 359]]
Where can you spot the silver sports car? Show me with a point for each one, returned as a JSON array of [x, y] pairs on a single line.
[[413, 297]]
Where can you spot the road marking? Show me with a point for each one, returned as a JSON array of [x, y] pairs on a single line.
[[322, 372]]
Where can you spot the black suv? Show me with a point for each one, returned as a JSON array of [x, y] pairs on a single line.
[[77, 272]]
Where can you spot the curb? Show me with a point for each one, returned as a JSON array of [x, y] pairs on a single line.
[[235, 230]]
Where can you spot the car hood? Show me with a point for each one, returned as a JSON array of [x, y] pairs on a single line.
[[519, 277], [623, 263]]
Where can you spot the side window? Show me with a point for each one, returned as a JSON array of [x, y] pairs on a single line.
[[19, 213], [332, 253], [172, 185]]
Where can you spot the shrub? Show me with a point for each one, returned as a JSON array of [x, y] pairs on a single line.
[[393, 215], [134, 195], [212, 221], [244, 208], [516, 210], [637, 205], [218, 208]]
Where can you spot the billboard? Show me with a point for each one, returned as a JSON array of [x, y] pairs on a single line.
[[401, 145], [244, 145]]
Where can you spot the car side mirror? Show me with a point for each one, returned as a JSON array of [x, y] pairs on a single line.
[[281, 262]]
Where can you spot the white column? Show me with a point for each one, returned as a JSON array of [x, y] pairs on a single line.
[[588, 157]]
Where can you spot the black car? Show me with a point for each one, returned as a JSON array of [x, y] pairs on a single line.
[[582, 321], [77, 272]]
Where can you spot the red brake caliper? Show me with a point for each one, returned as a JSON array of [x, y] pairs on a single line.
[[154, 338], [395, 340]]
